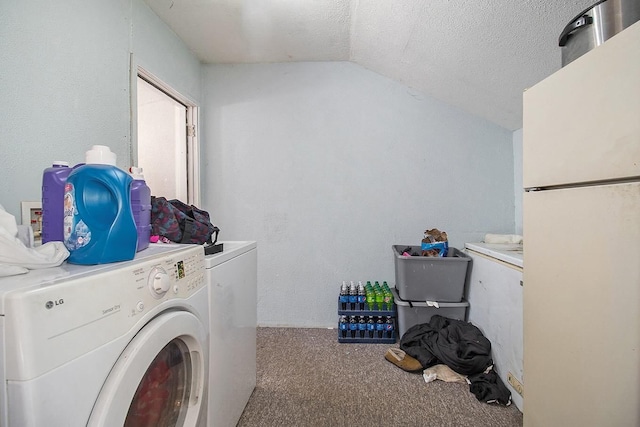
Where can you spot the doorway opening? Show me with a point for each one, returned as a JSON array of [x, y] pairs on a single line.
[[166, 145]]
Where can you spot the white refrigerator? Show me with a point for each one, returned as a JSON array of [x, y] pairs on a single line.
[[581, 301]]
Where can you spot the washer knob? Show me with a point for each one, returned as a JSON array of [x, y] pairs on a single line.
[[159, 282]]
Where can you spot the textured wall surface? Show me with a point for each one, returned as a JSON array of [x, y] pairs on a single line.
[[65, 83], [157, 49], [65, 87], [327, 165], [476, 55], [231, 31], [517, 178]]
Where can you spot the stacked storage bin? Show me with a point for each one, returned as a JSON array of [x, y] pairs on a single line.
[[426, 286], [364, 319]]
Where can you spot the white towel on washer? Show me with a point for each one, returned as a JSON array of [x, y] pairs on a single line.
[[16, 258]]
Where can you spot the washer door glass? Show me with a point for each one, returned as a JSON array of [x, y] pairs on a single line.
[[159, 379], [163, 393]]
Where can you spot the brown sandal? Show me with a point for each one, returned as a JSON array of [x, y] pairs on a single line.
[[402, 360]]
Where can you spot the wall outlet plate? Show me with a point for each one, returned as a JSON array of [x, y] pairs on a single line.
[[32, 216], [517, 385]]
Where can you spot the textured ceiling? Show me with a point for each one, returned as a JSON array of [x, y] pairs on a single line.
[[476, 55]]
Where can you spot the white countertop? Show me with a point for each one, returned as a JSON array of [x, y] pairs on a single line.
[[507, 252]]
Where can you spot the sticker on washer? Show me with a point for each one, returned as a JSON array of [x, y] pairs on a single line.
[[76, 233]]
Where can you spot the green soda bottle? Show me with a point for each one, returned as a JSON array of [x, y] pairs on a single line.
[[379, 299], [388, 300], [371, 297], [385, 287]]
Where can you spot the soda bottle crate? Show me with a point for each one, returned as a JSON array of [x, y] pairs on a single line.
[[354, 332], [369, 300], [364, 309]]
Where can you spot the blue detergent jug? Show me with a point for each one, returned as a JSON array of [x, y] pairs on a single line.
[[98, 222]]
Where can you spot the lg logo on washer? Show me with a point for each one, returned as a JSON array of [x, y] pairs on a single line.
[[51, 304]]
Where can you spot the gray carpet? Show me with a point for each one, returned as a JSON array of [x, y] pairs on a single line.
[[306, 378]]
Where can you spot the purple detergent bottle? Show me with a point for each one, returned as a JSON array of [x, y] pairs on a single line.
[[53, 180], [141, 207]]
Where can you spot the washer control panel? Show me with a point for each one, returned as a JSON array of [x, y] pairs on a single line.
[[159, 282], [169, 278]]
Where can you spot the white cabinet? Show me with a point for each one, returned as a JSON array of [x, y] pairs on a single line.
[[232, 277], [494, 293]]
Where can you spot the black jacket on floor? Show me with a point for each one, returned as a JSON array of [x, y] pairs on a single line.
[[463, 348], [489, 388], [456, 343]]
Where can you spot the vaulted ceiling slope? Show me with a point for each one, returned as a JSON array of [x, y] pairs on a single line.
[[476, 55]]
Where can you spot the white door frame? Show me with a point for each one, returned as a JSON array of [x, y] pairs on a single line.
[[193, 145]]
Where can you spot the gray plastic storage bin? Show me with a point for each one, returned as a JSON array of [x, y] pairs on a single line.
[[421, 278], [412, 313]]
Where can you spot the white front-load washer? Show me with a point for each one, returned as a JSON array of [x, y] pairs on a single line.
[[123, 344]]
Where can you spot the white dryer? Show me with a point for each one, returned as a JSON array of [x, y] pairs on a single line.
[[232, 277], [122, 344]]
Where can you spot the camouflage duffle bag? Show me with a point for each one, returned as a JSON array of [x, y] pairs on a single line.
[[181, 223]]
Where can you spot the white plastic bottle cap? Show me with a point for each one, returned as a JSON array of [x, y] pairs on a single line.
[[136, 173], [60, 163], [101, 154]]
